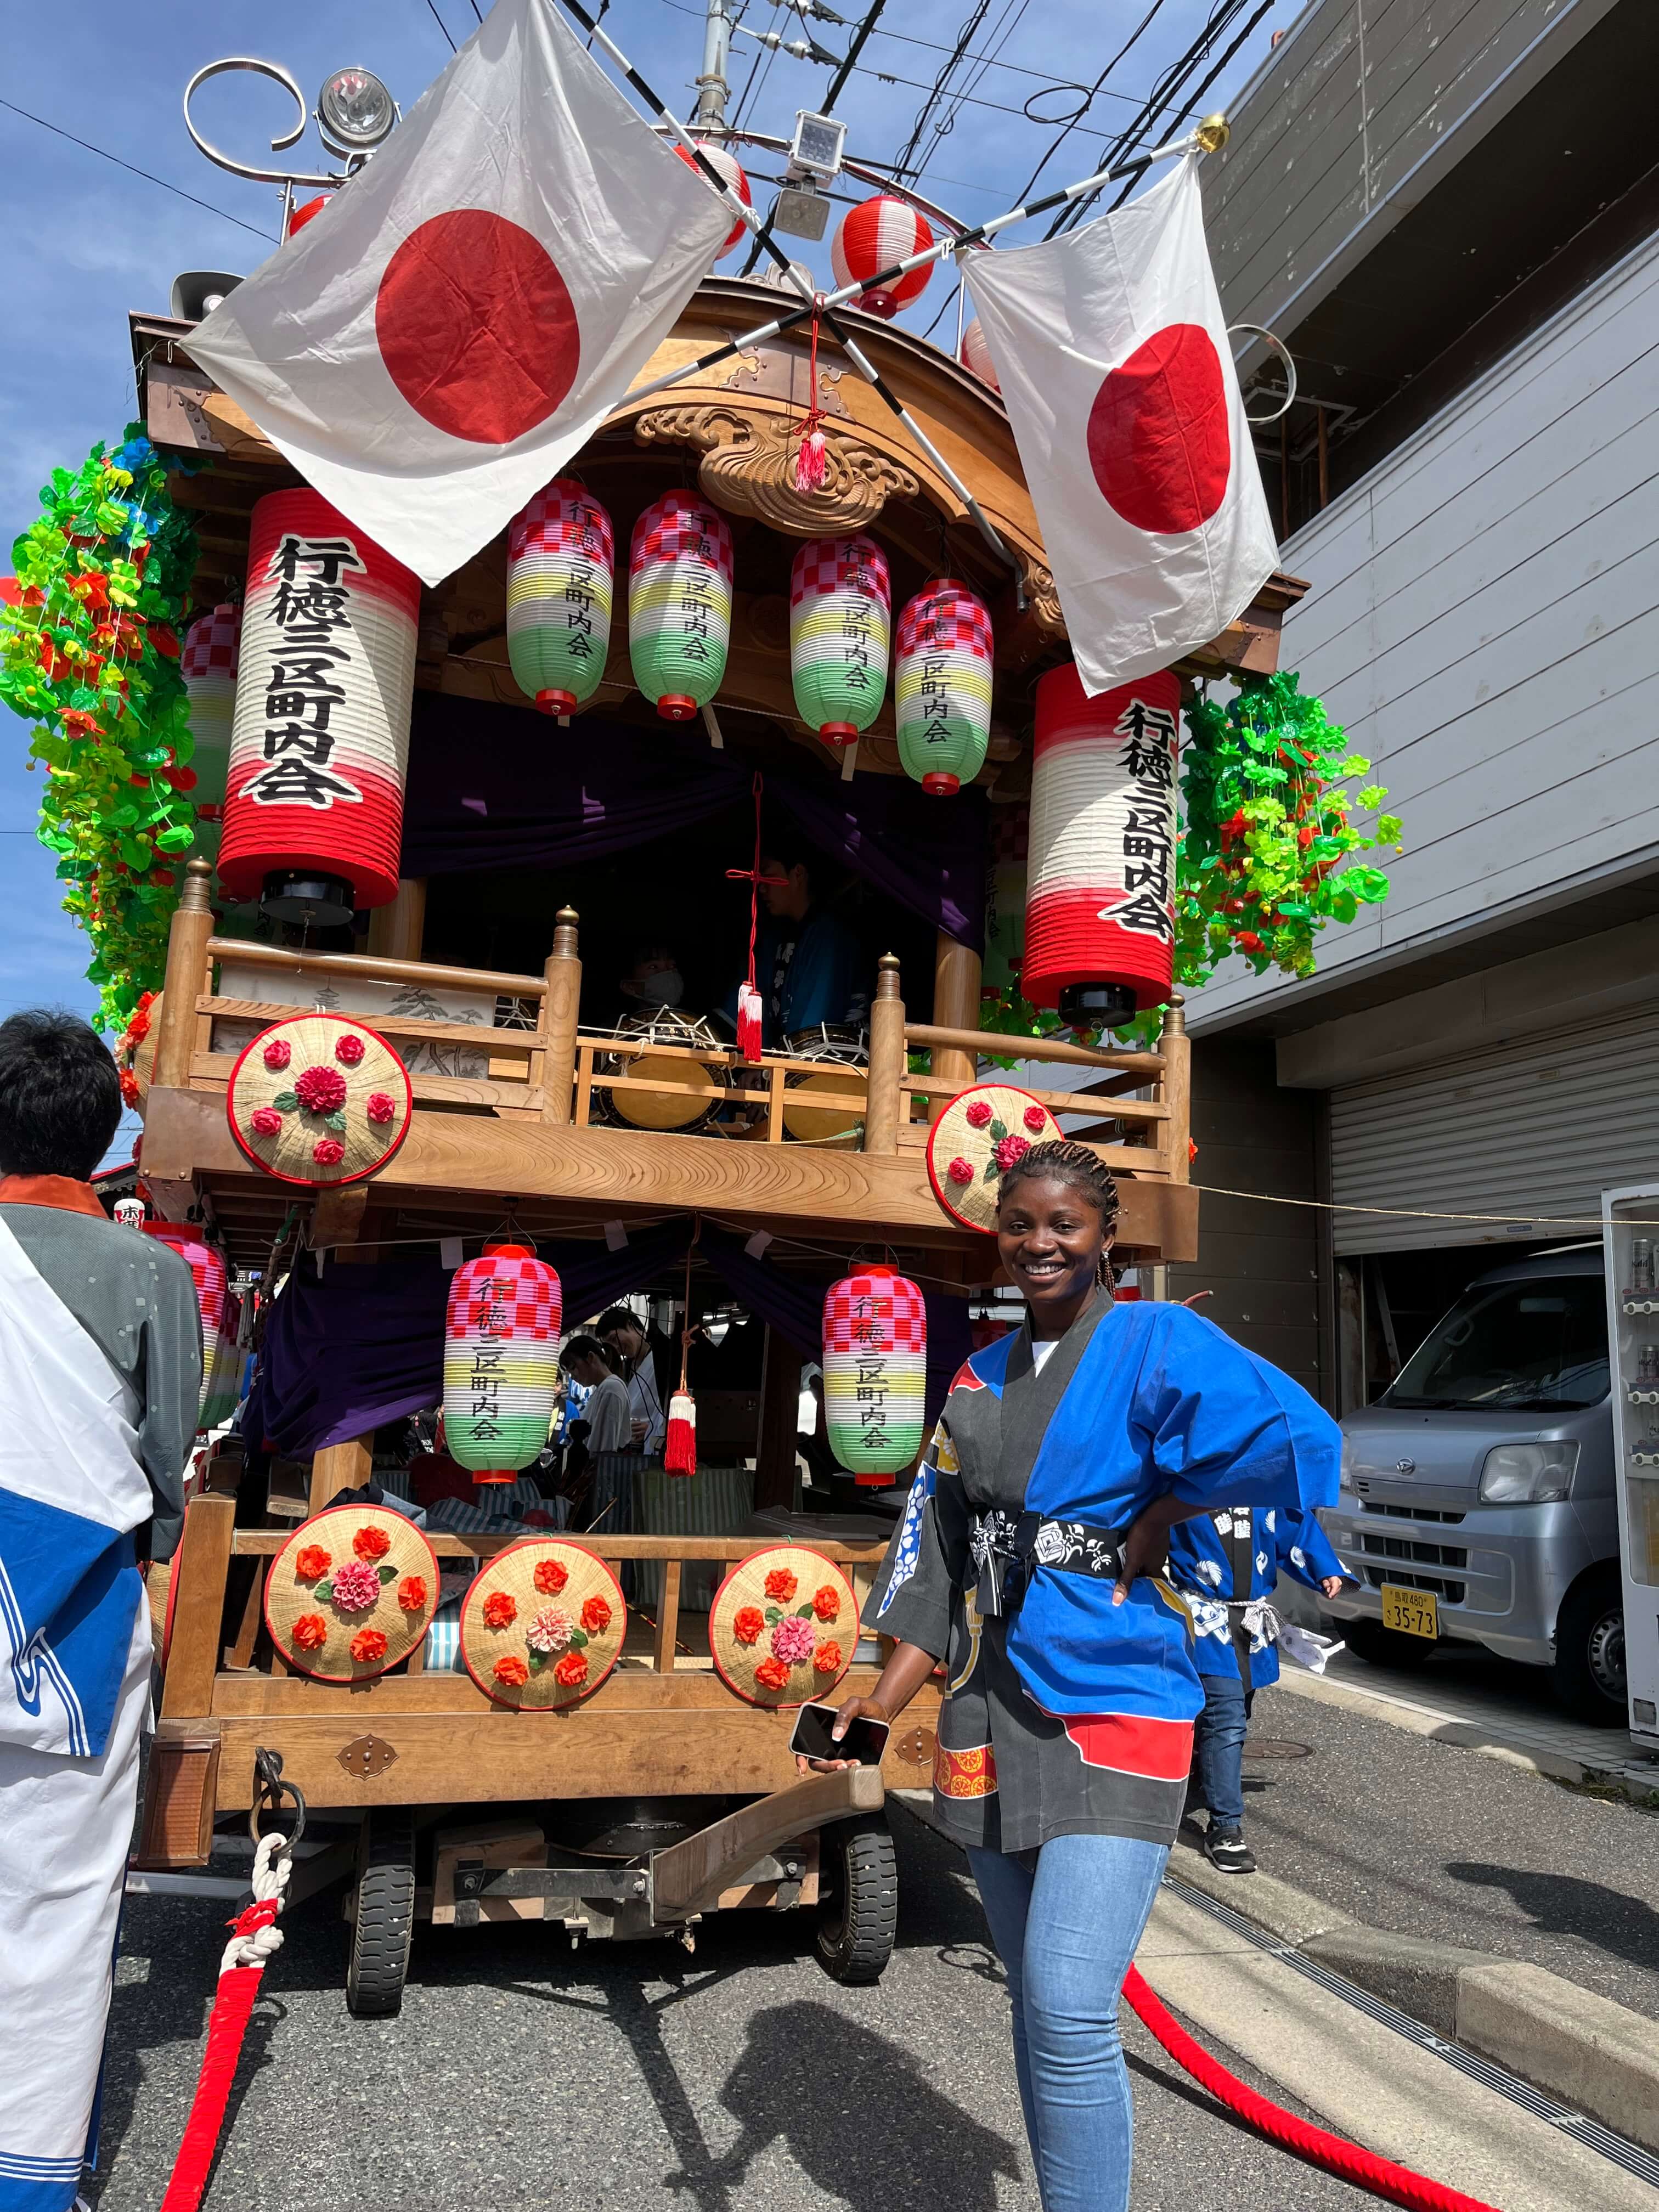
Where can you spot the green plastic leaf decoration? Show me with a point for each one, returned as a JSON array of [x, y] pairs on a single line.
[[110, 557]]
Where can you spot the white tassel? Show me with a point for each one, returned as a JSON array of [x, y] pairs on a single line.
[[680, 1450], [750, 1010]]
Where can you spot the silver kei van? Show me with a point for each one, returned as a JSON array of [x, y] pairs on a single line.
[[1478, 1502]]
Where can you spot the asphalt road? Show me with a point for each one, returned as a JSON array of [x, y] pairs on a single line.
[[1431, 1839], [522, 2075]]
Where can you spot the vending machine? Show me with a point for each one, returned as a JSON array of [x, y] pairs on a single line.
[[1633, 1258]]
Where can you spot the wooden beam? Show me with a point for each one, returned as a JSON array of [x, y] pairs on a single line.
[[882, 1112], [957, 973], [560, 1019], [688, 1877], [396, 931], [774, 1469], [186, 971], [341, 1467], [198, 1580]]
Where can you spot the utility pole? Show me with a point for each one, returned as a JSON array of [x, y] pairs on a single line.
[[711, 86]]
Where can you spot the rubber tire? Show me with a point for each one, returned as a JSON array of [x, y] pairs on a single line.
[[860, 1914], [384, 1927], [1593, 1608], [1384, 1647]]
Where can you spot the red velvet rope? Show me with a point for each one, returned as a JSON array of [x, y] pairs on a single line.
[[1396, 2184], [232, 2005]]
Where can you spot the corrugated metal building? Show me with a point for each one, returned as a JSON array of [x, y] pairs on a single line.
[[1448, 209]]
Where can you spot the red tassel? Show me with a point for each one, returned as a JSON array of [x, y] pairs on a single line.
[[750, 1007], [680, 1451], [810, 469]]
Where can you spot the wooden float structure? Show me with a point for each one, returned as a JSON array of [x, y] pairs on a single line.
[[524, 1131]]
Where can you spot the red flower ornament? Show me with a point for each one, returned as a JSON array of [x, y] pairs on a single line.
[[512, 1672], [781, 1585], [411, 1593], [826, 1660], [551, 1576], [960, 1170], [596, 1615], [1011, 1150], [1035, 1119], [348, 1049], [311, 1632], [277, 1055], [371, 1542], [312, 1563], [380, 1108], [320, 1090], [748, 1624], [266, 1121], [501, 1609], [328, 1151], [772, 1674], [367, 1645], [572, 1670], [979, 1113], [826, 1602]]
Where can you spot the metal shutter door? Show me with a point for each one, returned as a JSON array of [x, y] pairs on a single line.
[[1525, 1129]]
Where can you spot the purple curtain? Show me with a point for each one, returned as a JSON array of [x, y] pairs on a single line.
[[355, 1347], [489, 788]]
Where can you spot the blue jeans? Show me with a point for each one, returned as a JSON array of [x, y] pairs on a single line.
[[1065, 1920], [1219, 1748]]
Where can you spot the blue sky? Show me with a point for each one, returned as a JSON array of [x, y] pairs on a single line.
[[85, 241]]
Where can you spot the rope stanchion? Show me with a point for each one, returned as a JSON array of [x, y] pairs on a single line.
[[254, 1939], [1380, 2177]]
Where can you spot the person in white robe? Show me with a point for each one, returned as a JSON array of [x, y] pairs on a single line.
[[101, 1365]]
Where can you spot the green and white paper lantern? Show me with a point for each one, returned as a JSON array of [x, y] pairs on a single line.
[[559, 560], [840, 627], [679, 603]]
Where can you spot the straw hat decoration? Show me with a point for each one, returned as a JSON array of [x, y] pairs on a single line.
[[977, 1136], [542, 1624], [319, 1099], [352, 1592], [783, 1627]]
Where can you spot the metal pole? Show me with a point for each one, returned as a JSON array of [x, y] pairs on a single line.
[[712, 86]]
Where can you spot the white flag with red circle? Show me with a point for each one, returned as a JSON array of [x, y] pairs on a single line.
[[463, 315], [1111, 349]]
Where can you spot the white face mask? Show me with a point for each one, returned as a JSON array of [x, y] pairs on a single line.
[[665, 988]]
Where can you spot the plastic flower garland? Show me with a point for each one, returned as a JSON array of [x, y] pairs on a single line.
[[1266, 822], [89, 655]]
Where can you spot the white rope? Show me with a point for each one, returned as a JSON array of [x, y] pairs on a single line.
[[273, 1862]]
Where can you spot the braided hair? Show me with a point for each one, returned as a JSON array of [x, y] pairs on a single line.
[[1062, 1160]]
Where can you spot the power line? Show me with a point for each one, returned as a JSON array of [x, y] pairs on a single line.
[[439, 21], [844, 70], [964, 36], [104, 154], [1196, 101], [1012, 18]]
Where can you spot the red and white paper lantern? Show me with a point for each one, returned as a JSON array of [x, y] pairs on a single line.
[[1100, 895], [560, 556], [207, 1273], [976, 355], [208, 665], [680, 566], [875, 1372], [327, 677], [942, 686], [501, 1361], [728, 164], [840, 634], [872, 237]]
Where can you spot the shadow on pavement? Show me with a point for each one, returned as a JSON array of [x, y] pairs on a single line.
[[1566, 1904]]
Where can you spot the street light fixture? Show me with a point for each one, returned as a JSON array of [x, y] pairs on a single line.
[[354, 111]]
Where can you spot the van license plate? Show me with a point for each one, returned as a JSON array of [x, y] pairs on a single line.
[[1413, 1612]]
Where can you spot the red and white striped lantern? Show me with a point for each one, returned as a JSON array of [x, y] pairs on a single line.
[[327, 677], [873, 236], [208, 665], [976, 355], [728, 164], [875, 1372], [1100, 893], [207, 1273]]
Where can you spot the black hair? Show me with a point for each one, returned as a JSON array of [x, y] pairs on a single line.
[[1062, 1160], [589, 1347], [791, 850], [617, 1317], [60, 1096]]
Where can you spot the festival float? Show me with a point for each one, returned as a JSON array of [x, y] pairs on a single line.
[[370, 1001]]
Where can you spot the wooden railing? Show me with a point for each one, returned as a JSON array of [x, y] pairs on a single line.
[[554, 1072]]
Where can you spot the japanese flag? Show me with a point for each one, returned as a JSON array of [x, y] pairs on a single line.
[[460, 319], [1112, 353]]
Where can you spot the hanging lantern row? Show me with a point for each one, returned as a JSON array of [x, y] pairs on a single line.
[[680, 603], [1100, 892], [718, 158], [942, 692], [319, 743], [560, 556], [872, 237], [839, 626], [875, 1372], [208, 665], [501, 1361], [207, 1271]]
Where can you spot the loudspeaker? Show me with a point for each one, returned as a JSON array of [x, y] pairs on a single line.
[[198, 291]]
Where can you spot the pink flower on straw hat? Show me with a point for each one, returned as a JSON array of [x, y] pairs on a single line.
[[267, 1121], [551, 1630], [349, 1048], [278, 1054], [1010, 1150], [960, 1170], [356, 1586], [380, 1108], [792, 1640], [328, 1151], [320, 1090], [1036, 1118]]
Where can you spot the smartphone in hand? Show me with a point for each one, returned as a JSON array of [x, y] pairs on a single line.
[[865, 1740]]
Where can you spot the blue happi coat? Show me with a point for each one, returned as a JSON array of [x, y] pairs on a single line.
[[1284, 1539]]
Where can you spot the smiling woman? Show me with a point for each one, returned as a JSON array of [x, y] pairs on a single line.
[[1031, 1558]]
